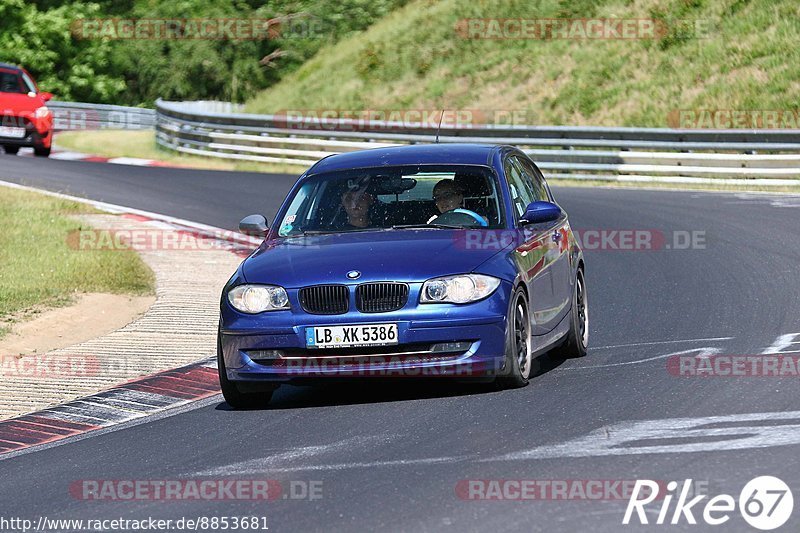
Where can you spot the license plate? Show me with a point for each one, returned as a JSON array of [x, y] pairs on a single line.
[[351, 336], [16, 133]]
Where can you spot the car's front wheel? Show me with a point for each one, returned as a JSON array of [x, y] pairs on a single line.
[[11, 150], [519, 344], [41, 151], [235, 397], [577, 341]]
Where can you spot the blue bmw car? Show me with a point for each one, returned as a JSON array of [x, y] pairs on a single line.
[[442, 260]]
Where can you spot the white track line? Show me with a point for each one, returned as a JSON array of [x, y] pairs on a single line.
[[707, 351], [119, 209], [134, 161], [661, 342]]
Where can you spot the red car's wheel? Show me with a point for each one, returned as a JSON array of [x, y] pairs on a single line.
[[43, 151]]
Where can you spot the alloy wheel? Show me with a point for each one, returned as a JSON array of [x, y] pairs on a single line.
[[522, 336], [583, 311]]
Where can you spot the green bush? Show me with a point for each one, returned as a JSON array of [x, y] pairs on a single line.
[[38, 35]]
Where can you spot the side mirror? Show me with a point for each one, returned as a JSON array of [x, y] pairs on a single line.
[[254, 225], [46, 96], [538, 212]]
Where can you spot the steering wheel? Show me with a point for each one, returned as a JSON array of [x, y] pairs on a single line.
[[460, 217]]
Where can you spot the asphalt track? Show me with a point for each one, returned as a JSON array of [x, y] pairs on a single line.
[[391, 457]]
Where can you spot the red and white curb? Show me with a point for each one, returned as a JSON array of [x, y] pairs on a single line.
[[234, 242], [190, 227], [66, 155], [136, 399]]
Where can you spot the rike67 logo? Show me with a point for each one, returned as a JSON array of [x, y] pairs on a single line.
[[765, 503]]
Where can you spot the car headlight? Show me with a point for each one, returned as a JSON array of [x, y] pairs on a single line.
[[258, 298], [42, 112], [460, 289]]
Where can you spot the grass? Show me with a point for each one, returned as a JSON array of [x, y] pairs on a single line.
[[38, 269], [740, 55], [141, 144]]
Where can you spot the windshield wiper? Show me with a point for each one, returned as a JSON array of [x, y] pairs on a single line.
[[423, 226], [309, 232], [315, 232]]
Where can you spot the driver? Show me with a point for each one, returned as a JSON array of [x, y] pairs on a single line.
[[357, 204], [449, 196]]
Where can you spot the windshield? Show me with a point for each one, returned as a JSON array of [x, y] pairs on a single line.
[[436, 197], [9, 82]]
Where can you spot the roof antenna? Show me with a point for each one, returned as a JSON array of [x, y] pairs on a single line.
[[439, 127]]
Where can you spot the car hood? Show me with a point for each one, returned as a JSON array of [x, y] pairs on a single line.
[[20, 104], [394, 255]]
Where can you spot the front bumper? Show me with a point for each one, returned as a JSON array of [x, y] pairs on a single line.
[[271, 346], [38, 132]]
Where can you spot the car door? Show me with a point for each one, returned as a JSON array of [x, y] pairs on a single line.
[[558, 255], [534, 251]]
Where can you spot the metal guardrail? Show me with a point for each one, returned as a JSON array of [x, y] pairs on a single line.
[[68, 116], [759, 157]]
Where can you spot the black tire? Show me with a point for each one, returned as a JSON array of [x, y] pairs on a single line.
[[11, 150], [41, 151], [577, 340], [236, 398], [519, 344]]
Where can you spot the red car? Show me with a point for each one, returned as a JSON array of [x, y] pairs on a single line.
[[25, 120]]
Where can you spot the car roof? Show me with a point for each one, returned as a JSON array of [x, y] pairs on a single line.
[[10, 67], [415, 154]]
